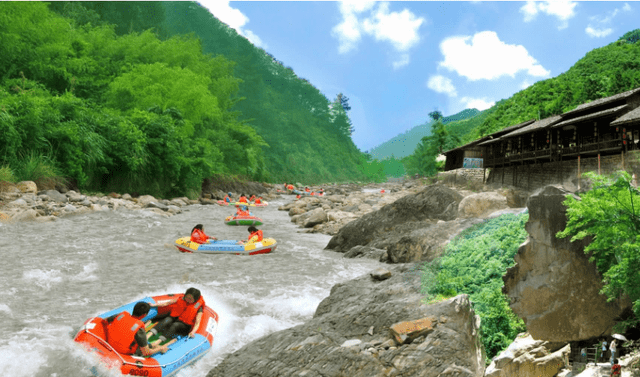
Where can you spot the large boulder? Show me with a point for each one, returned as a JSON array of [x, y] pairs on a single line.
[[553, 287], [434, 202], [315, 217], [27, 187], [526, 357], [351, 335], [482, 204], [55, 195]]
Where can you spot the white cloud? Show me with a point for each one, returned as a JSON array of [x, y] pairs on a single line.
[[234, 18], [562, 10], [476, 103], [601, 28], [401, 62], [485, 56], [374, 19], [525, 84], [442, 84], [598, 33]]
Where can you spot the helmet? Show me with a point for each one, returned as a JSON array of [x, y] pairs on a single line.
[[229, 193], [244, 208]]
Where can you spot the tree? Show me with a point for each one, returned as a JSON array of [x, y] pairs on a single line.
[[344, 101], [609, 214]]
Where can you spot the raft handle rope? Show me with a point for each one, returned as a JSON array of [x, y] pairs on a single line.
[[105, 343]]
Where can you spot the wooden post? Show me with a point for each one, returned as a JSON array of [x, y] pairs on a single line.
[[578, 172], [622, 154], [598, 163], [484, 174]]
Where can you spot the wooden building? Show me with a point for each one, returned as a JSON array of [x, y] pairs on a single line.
[[603, 127]]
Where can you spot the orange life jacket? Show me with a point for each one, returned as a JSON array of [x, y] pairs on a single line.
[[290, 187], [255, 236], [186, 312], [252, 198], [227, 199], [258, 201], [243, 199], [121, 333], [307, 189], [199, 236]]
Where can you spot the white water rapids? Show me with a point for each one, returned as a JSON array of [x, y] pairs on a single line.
[[53, 276]]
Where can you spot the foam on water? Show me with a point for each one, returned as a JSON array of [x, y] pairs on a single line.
[[43, 278]]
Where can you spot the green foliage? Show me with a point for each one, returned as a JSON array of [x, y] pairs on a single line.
[[6, 174], [473, 263], [631, 37], [38, 168], [423, 160], [609, 215]]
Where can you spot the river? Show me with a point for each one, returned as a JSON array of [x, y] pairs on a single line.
[[55, 275]]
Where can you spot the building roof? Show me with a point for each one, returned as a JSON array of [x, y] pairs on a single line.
[[498, 135], [583, 118], [602, 101], [535, 126], [630, 117], [465, 146]]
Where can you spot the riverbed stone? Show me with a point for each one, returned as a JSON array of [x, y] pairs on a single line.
[[56, 196], [27, 187], [315, 349], [317, 216], [28, 215], [366, 252]]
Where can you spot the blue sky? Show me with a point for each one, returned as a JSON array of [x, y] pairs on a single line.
[[398, 61]]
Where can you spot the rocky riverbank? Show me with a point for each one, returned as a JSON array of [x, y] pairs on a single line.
[[409, 222], [25, 202]]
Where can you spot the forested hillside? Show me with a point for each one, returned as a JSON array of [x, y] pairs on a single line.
[[114, 97], [405, 143]]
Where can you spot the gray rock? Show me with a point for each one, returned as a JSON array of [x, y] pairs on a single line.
[[55, 196], [434, 202], [18, 203], [28, 215], [381, 274], [157, 205], [366, 252], [317, 216], [315, 349]]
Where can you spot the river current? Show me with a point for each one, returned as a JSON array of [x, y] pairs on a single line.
[[55, 275]]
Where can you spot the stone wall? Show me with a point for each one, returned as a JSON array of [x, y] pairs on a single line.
[[462, 176], [534, 176]]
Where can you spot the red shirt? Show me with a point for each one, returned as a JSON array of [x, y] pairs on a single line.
[[615, 369]]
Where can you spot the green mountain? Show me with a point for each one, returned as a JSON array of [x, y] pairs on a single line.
[[405, 143]]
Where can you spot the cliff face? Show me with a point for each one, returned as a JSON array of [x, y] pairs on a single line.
[[553, 287]]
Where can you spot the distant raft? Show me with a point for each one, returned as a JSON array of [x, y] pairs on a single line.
[[265, 246], [184, 352], [225, 203], [243, 220]]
